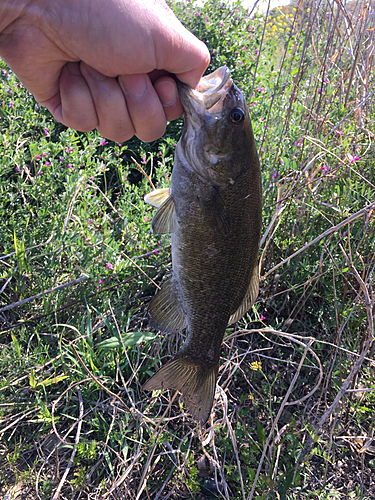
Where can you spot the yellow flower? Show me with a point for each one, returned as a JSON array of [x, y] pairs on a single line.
[[256, 365]]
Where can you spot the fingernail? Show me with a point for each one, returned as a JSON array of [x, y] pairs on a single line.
[[96, 75], [135, 86], [167, 91]]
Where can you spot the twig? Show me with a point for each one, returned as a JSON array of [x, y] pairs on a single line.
[[140, 269], [46, 292], [307, 348], [144, 173], [96, 379], [28, 249], [56, 495], [318, 238]]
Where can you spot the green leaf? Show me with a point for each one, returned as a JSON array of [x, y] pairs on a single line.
[[261, 433], [32, 379], [131, 338], [16, 345], [50, 381]]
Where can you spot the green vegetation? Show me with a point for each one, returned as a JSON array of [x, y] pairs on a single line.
[[73, 418]]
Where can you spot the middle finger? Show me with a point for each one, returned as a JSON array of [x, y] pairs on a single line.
[[144, 106]]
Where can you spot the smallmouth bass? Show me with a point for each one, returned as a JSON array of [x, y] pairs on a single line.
[[214, 211]]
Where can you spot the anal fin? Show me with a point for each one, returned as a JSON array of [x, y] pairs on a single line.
[[165, 311], [249, 299], [196, 383], [164, 219]]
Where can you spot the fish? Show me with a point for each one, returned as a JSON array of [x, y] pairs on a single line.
[[213, 210]]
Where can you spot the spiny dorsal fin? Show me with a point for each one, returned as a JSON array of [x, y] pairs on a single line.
[[196, 383], [166, 314], [250, 297], [158, 197], [164, 219]]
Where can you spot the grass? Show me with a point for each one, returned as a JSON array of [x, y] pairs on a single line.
[[293, 415]]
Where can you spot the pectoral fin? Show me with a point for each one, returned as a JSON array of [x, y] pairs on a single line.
[[158, 197], [250, 297], [164, 219], [165, 311], [196, 383]]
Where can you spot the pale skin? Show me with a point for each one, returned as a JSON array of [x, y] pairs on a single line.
[[102, 64]]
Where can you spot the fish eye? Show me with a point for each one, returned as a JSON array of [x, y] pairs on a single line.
[[237, 115]]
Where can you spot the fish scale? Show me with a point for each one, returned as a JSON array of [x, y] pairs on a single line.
[[213, 210]]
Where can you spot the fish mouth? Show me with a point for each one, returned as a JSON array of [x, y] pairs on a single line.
[[210, 93]]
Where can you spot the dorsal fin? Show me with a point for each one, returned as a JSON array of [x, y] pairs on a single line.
[[164, 219], [250, 297]]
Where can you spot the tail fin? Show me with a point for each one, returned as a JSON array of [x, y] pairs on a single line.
[[196, 383]]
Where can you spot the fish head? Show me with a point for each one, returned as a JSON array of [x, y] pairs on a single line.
[[217, 141]]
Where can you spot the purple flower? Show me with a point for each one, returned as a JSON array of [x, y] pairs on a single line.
[[355, 158], [100, 281], [144, 160], [44, 154], [324, 168], [11, 105], [103, 142], [70, 165], [17, 169], [198, 14], [338, 133], [37, 157], [45, 131], [47, 164], [207, 18], [108, 266], [119, 144], [240, 63], [40, 172], [262, 317], [213, 52], [61, 159], [90, 221], [69, 150], [275, 175]]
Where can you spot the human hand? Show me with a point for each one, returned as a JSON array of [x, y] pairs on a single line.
[[102, 65]]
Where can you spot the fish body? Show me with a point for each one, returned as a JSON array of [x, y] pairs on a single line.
[[213, 210]]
